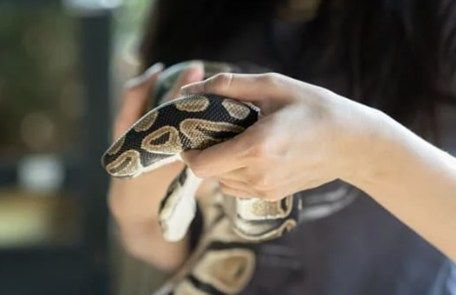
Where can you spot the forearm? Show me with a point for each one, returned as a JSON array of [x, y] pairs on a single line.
[[309, 136], [136, 213], [416, 182]]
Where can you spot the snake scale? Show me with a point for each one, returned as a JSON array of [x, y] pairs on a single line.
[[225, 257]]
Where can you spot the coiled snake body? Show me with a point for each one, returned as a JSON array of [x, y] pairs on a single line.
[[225, 257]]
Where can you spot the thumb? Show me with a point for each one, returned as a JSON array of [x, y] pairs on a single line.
[[135, 98], [246, 87], [194, 73]]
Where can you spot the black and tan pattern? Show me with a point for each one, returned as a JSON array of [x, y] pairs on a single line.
[[127, 163], [264, 232], [228, 270], [186, 287], [235, 109], [197, 122], [146, 122], [225, 259], [256, 209], [115, 148], [201, 133], [164, 140], [198, 104]]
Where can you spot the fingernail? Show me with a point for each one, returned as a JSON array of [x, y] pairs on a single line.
[[194, 70], [196, 64], [155, 68], [138, 80]]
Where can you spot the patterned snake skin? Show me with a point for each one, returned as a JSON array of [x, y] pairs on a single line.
[[224, 260]]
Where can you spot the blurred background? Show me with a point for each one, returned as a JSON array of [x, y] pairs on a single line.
[[61, 66]]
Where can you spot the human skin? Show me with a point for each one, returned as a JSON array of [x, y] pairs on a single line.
[[308, 136], [134, 202]]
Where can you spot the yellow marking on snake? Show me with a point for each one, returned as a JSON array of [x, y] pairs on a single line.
[[171, 145], [257, 209], [115, 148], [198, 131], [228, 270], [235, 109], [198, 104], [284, 227], [127, 164], [146, 122], [186, 288]]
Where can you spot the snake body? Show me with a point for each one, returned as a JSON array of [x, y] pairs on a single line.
[[225, 258]]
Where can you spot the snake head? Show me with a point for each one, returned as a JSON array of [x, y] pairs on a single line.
[[142, 148], [121, 162], [192, 122]]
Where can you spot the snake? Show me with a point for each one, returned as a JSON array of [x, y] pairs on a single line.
[[224, 260]]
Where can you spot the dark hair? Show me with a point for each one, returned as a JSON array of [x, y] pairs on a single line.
[[395, 50]]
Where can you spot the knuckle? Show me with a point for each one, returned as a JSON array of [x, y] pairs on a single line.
[[261, 183], [258, 151], [269, 78], [222, 80]]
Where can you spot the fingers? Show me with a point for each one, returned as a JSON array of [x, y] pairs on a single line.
[[135, 99], [137, 90], [253, 88], [219, 158], [235, 191], [194, 73], [239, 175], [146, 79], [245, 190]]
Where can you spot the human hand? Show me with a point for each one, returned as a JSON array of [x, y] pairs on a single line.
[[306, 136], [126, 196], [134, 103], [137, 93], [134, 202]]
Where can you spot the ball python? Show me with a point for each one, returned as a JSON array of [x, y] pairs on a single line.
[[224, 260]]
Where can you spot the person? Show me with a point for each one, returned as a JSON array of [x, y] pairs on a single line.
[[391, 63]]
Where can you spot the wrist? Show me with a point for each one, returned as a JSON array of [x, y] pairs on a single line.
[[372, 148]]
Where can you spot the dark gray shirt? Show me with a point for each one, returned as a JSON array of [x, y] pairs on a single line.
[[361, 249]]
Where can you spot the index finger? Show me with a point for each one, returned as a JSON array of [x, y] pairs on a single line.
[[254, 88], [219, 158], [135, 98]]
